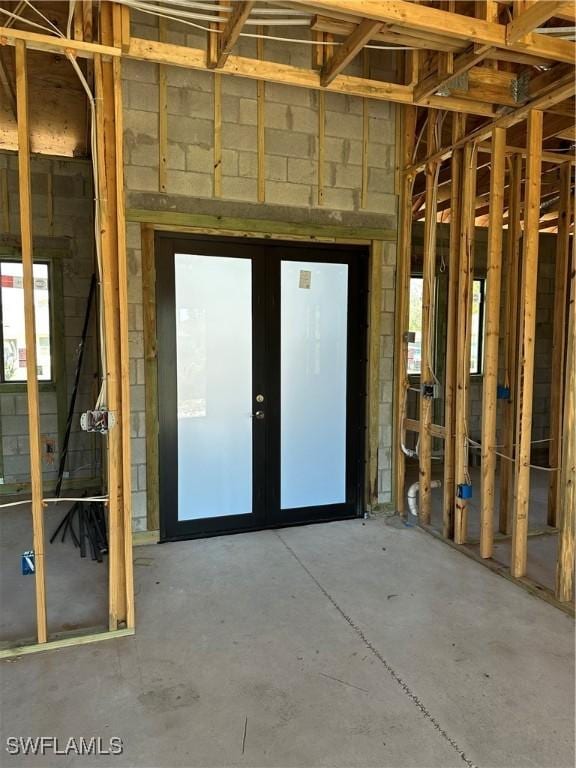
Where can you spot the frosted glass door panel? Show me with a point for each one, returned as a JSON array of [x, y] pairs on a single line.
[[214, 363], [314, 301]]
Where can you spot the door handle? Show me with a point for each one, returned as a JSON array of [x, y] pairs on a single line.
[[259, 415]]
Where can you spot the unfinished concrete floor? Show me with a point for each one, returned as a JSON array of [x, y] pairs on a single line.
[[76, 588], [358, 643]]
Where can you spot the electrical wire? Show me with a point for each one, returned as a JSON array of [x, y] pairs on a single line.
[[16, 17], [54, 501]]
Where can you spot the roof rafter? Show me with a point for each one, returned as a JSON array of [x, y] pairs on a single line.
[[230, 33], [349, 49]]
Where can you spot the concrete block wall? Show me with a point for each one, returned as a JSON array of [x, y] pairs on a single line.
[[68, 229], [291, 168]]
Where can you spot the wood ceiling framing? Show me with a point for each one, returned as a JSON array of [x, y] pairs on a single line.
[[491, 60]]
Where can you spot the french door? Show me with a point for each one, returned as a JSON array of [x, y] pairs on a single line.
[[261, 383]]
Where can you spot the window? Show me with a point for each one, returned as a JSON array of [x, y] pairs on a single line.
[[13, 346], [415, 326]]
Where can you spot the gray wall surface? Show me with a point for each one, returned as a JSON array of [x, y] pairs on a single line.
[[291, 162], [62, 222]]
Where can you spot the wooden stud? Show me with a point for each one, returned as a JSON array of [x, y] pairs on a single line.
[[527, 334], [408, 116], [465, 280], [162, 115], [373, 399], [565, 563], [491, 338], [5, 200], [150, 376], [227, 39], [558, 340], [124, 343], [510, 336], [261, 123], [365, 132], [528, 20], [25, 194], [321, 135], [458, 130], [50, 200], [428, 291], [217, 134], [348, 50]]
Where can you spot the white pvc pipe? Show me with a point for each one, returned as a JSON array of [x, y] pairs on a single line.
[[413, 495]]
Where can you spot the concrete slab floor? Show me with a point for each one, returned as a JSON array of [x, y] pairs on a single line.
[[357, 643]]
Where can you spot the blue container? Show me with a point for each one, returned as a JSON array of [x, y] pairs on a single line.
[[464, 491], [502, 392]]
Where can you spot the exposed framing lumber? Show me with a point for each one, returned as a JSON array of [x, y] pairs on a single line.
[[366, 133], [348, 51], [424, 19], [458, 130], [373, 378], [401, 383], [150, 376], [510, 336], [566, 544], [229, 35], [217, 134], [261, 123], [462, 64], [464, 312], [162, 115], [566, 87], [491, 337], [25, 197], [526, 351], [559, 340], [436, 430], [63, 642], [428, 292], [530, 19], [321, 143]]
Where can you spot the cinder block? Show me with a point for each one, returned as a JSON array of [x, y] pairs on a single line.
[[176, 159], [190, 130], [341, 199], [136, 344], [141, 477], [342, 125], [239, 86], [190, 103], [229, 162], [287, 94], [381, 131], [381, 180], [139, 510], [180, 77], [302, 171], [381, 203], [138, 423], [200, 159], [347, 176], [248, 164], [289, 144], [288, 194], [276, 168], [188, 183], [138, 446], [141, 179], [239, 188], [133, 235], [139, 95], [239, 137], [247, 112], [145, 153], [140, 123]]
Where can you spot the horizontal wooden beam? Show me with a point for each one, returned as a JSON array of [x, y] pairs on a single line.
[[437, 80], [436, 430], [566, 88], [38, 42], [286, 74], [349, 49], [528, 20], [421, 18]]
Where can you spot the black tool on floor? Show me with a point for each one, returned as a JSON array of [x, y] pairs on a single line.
[[91, 528]]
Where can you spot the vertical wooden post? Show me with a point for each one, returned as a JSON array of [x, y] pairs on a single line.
[[428, 291], [458, 131], [373, 399], [491, 338], [408, 116], [558, 339], [365, 132], [321, 134], [464, 313], [162, 114], [565, 564], [25, 192], [217, 135], [261, 123], [511, 341], [527, 334]]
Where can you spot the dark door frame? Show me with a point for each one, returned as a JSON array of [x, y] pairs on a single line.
[[266, 256]]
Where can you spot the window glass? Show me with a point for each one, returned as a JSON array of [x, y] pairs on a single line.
[[13, 329], [477, 326], [415, 325]]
